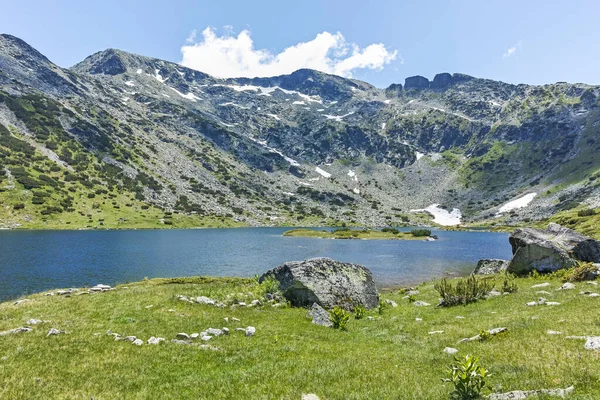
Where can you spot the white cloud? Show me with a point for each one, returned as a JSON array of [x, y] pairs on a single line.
[[230, 56], [512, 50]]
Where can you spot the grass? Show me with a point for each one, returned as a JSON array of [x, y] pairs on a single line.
[[391, 357], [351, 234]]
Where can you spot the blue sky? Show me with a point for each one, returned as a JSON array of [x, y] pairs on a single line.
[[526, 41]]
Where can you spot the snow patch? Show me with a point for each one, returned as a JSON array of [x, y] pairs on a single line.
[[441, 216], [383, 126], [338, 118], [139, 71], [130, 83], [419, 155], [521, 202], [352, 175], [190, 96], [387, 101], [356, 190], [159, 77], [323, 173], [274, 116], [304, 183], [299, 102]]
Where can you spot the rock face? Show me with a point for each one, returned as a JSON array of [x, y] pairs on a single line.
[[416, 82], [550, 250], [490, 266], [326, 282]]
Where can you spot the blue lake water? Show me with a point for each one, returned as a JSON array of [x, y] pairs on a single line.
[[32, 261]]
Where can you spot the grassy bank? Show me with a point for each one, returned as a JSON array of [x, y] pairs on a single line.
[[390, 357], [354, 234]]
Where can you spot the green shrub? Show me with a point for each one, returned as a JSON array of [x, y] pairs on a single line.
[[359, 312], [466, 291], [586, 213], [382, 307], [509, 285], [420, 232], [584, 271], [468, 378], [269, 285], [339, 318], [393, 231]]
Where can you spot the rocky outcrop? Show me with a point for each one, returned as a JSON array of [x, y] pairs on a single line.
[[550, 250], [490, 266], [416, 82], [326, 282], [441, 81]]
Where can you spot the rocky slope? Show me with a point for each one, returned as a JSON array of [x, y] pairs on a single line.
[[152, 137]]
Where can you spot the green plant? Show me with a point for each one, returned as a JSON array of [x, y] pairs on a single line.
[[269, 285], [586, 213], [509, 285], [484, 336], [465, 291], [339, 318], [468, 378], [584, 271], [359, 312], [382, 307], [420, 232]]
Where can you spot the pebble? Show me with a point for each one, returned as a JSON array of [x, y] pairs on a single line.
[[418, 319], [370, 318], [138, 342], [177, 341], [545, 284], [235, 319], [310, 396], [225, 331], [150, 306], [542, 292], [250, 331], [155, 340], [130, 339], [242, 304], [170, 310], [592, 283], [16, 330], [226, 319], [16, 303], [549, 332], [460, 317], [206, 338], [592, 343], [450, 350], [195, 335], [567, 286], [182, 336], [435, 332], [552, 303], [240, 329], [54, 331], [420, 303], [391, 303], [256, 303], [34, 321], [205, 300]]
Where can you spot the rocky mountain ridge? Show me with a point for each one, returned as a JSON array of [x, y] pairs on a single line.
[[305, 148]]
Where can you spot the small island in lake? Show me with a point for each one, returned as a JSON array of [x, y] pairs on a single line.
[[347, 233]]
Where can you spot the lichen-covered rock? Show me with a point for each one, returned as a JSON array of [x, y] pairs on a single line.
[[550, 250], [326, 282], [319, 315], [490, 266]]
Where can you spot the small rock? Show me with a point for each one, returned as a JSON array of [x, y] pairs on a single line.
[[391, 303], [494, 293], [450, 350], [155, 340], [460, 317], [552, 303], [225, 331], [194, 335], [16, 303], [592, 343], [182, 336], [256, 303], [412, 293], [214, 331], [16, 330], [250, 331], [567, 286], [418, 319], [542, 292], [177, 341], [54, 331], [205, 300], [138, 342], [594, 295], [34, 321], [235, 319], [370, 318], [170, 310], [492, 332], [183, 298], [532, 303], [240, 330], [435, 332], [206, 338], [150, 306], [242, 304], [545, 284], [420, 303], [592, 283], [310, 396], [101, 286], [549, 332], [319, 315], [226, 319], [520, 394], [130, 339], [94, 289]]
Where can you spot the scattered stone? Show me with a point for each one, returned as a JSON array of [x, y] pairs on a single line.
[[567, 286], [450, 350], [205, 338], [256, 303], [214, 332], [370, 318], [235, 319], [250, 331], [183, 298], [194, 336], [550, 250], [225, 331], [16, 303], [240, 329], [460, 317], [242, 304], [182, 336], [420, 303], [418, 319], [552, 303], [490, 267], [170, 310], [226, 319], [94, 289], [592, 283], [150, 306], [326, 282], [550, 332], [63, 292], [494, 293], [545, 284], [520, 394], [16, 330], [138, 342], [34, 321], [319, 315], [177, 341], [130, 339], [412, 293], [310, 396], [542, 292], [103, 287], [391, 303], [592, 343], [492, 332], [205, 300], [155, 340], [435, 332], [54, 331], [532, 303], [594, 295]]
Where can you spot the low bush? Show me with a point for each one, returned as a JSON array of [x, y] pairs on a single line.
[[269, 285], [359, 312], [584, 271], [393, 231], [468, 378], [339, 318], [586, 213], [466, 291], [509, 285], [420, 232]]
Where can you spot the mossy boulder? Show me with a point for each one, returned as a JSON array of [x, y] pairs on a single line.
[[326, 282]]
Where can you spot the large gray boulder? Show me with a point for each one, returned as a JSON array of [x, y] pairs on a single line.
[[326, 282], [550, 250], [490, 266]]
